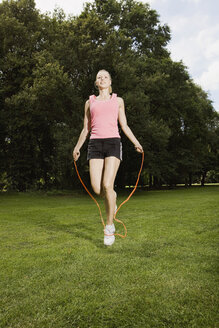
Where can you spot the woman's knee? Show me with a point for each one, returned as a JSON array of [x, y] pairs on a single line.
[[107, 187], [97, 190]]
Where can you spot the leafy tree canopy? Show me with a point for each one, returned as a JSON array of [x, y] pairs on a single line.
[[48, 66]]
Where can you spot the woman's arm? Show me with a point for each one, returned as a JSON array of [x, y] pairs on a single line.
[[84, 133], [125, 128]]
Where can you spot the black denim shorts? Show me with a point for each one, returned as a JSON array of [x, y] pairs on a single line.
[[101, 148]]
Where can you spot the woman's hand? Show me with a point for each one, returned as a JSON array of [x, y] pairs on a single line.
[[139, 148], [76, 154]]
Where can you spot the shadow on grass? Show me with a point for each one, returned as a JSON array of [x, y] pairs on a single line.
[[78, 230]]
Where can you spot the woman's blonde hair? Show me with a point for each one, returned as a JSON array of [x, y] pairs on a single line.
[[110, 87]]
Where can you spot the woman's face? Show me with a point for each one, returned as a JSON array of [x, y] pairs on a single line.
[[103, 80]]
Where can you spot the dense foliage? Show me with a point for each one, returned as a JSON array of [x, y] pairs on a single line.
[[48, 66]]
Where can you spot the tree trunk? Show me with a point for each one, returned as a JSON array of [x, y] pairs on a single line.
[[190, 179], [150, 180], [157, 182], [203, 178]]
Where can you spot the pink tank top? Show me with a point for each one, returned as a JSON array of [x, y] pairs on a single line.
[[104, 117]]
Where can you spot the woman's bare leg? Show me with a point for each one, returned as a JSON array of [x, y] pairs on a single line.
[[111, 166], [96, 166]]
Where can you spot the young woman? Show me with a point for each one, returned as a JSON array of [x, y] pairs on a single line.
[[101, 117]]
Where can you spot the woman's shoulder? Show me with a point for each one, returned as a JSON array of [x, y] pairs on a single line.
[[120, 100], [91, 99], [87, 104]]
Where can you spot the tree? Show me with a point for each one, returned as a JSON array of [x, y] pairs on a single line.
[[48, 66], [36, 94]]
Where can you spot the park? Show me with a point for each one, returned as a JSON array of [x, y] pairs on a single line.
[[55, 271]]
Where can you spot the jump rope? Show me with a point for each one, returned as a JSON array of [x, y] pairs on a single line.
[[125, 201]]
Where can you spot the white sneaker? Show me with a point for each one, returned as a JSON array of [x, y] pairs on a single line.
[[109, 230]]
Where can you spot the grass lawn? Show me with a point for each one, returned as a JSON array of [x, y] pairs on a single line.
[[56, 273]]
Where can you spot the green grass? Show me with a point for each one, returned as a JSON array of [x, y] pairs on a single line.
[[56, 273]]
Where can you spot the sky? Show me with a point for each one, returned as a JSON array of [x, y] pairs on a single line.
[[194, 26]]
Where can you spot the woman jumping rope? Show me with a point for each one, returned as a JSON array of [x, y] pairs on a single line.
[[101, 116]]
